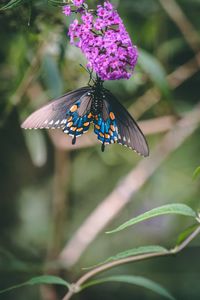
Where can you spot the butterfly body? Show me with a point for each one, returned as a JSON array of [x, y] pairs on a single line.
[[77, 110]]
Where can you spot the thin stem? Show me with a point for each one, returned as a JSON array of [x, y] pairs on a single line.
[[175, 12], [186, 241], [76, 287]]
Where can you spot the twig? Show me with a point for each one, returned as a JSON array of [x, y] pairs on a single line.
[[24, 84], [76, 287], [177, 15], [28, 76], [184, 72], [130, 185], [59, 210], [175, 79], [59, 204]]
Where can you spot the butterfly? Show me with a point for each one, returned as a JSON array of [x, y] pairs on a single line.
[[75, 111]]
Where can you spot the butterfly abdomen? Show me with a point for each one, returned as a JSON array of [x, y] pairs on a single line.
[[96, 105]]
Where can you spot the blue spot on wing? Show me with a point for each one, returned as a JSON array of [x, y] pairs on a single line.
[[106, 131], [77, 125]]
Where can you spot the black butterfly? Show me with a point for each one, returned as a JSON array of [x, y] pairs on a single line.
[[75, 111]]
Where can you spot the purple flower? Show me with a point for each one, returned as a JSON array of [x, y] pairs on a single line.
[[67, 10], [103, 39], [78, 3], [108, 5], [102, 11], [87, 18], [99, 24]]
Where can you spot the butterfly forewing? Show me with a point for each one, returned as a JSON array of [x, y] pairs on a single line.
[[53, 115], [129, 134]]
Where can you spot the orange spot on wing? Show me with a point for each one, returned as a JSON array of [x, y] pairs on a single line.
[[73, 108], [86, 124], [112, 116], [101, 134], [97, 126], [69, 119], [107, 135], [79, 129], [69, 124], [73, 128], [90, 115], [112, 127]]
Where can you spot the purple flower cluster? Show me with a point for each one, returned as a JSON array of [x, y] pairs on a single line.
[[67, 8], [103, 39]]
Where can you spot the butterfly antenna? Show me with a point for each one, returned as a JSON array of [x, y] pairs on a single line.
[[89, 72], [91, 78]]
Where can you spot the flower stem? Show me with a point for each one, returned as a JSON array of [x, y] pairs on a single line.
[[76, 287]]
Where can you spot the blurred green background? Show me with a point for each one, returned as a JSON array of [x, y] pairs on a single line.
[[46, 191]]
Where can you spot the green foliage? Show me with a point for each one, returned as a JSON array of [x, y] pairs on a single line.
[[15, 3], [142, 253], [152, 66], [132, 252], [178, 209], [57, 2], [51, 76], [44, 279], [135, 280], [196, 173], [185, 234], [48, 279], [12, 4], [36, 146]]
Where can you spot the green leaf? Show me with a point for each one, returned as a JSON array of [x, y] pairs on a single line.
[[155, 70], [186, 233], [12, 4], [136, 280], [36, 145], [48, 279], [196, 173], [44, 279], [51, 76], [133, 252], [178, 209], [57, 2], [11, 263]]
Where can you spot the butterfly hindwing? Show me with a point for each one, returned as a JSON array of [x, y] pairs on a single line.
[[53, 115], [79, 117], [105, 128], [128, 132]]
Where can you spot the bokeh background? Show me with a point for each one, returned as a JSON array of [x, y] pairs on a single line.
[[49, 188]]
